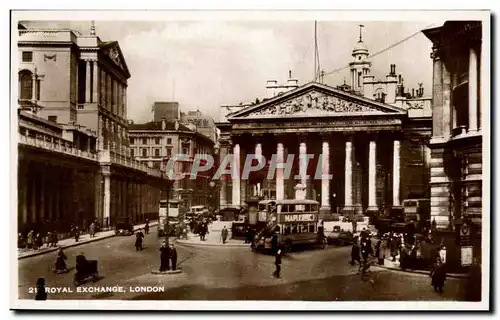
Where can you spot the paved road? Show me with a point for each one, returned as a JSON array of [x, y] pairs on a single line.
[[217, 273]]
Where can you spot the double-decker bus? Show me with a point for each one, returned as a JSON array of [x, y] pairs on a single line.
[[293, 222]]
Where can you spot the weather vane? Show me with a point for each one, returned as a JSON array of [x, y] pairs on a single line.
[[360, 30]]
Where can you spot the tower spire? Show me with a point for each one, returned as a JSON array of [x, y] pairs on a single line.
[[360, 33], [92, 28]]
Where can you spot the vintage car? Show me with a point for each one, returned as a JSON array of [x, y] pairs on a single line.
[[124, 228], [340, 238]]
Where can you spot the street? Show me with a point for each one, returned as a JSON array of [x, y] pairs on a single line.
[[217, 273]]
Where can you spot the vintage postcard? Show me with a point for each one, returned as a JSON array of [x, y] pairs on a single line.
[[178, 160]]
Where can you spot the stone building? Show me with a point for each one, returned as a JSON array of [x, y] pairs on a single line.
[[73, 92], [154, 143], [372, 149], [201, 123], [458, 57]]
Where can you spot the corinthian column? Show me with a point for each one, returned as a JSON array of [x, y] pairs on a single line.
[[88, 67], [280, 182], [472, 90], [325, 177], [395, 174], [236, 175], [348, 208]]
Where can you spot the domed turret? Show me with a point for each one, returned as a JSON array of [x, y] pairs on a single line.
[[360, 66]]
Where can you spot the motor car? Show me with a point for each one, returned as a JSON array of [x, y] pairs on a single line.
[[124, 228], [340, 238]]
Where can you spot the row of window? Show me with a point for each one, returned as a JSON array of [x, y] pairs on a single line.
[[145, 153], [156, 140]]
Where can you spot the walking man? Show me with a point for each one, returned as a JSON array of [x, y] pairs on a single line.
[[91, 230], [77, 234], [277, 263], [146, 227], [173, 256], [224, 234], [138, 240], [164, 257]]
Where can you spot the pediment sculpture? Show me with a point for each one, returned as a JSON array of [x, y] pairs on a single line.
[[312, 102], [115, 56]]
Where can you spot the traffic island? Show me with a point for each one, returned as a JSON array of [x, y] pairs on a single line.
[[169, 272]]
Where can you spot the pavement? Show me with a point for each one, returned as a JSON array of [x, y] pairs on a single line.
[[70, 242], [225, 273], [211, 239], [394, 265]]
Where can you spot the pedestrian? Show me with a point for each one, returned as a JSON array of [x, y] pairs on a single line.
[[41, 294], [394, 247], [38, 242], [20, 241], [60, 264], [224, 234], [173, 256], [77, 234], [92, 230], [438, 275], [366, 251], [30, 239], [138, 240], [49, 239], [164, 257], [355, 252], [146, 227], [274, 242], [54, 239], [379, 251], [277, 263], [473, 288]]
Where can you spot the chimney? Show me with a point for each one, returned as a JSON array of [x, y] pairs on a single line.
[[393, 69], [399, 78], [163, 124], [290, 74], [422, 91], [176, 124], [412, 93]]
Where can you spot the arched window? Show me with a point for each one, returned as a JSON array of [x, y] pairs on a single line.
[[25, 85]]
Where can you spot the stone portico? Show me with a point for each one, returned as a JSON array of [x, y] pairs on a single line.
[[356, 144]]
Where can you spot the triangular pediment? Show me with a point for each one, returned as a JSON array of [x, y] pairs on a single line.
[[313, 100], [113, 51]]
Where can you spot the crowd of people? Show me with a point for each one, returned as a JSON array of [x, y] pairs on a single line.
[[36, 240]]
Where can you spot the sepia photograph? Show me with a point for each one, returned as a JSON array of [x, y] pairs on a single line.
[[250, 160]]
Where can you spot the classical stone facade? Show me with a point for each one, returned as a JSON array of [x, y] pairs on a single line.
[[457, 139], [74, 164], [360, 146]]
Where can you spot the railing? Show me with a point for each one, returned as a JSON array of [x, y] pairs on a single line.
[[55, 144], [119, 159]]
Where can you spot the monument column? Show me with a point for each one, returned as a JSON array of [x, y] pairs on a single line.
[[258, 154], [88, 68], [224, 144]]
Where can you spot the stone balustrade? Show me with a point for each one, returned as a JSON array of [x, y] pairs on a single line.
[[55, 144]]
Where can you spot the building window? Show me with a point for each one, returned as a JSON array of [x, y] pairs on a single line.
[[157, 165], [144, 141], [157, 152], [157, 140], [132, 141], [185, 151], [132, 152], [27, 56], [26, 84], [169, 140], [144, 152], [169, 152], [53, 119]]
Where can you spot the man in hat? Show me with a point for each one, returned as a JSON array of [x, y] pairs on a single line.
[[138, 240], [164, 257], [173, 256]]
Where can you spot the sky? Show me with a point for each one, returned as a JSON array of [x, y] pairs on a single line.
[[205, 64]]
